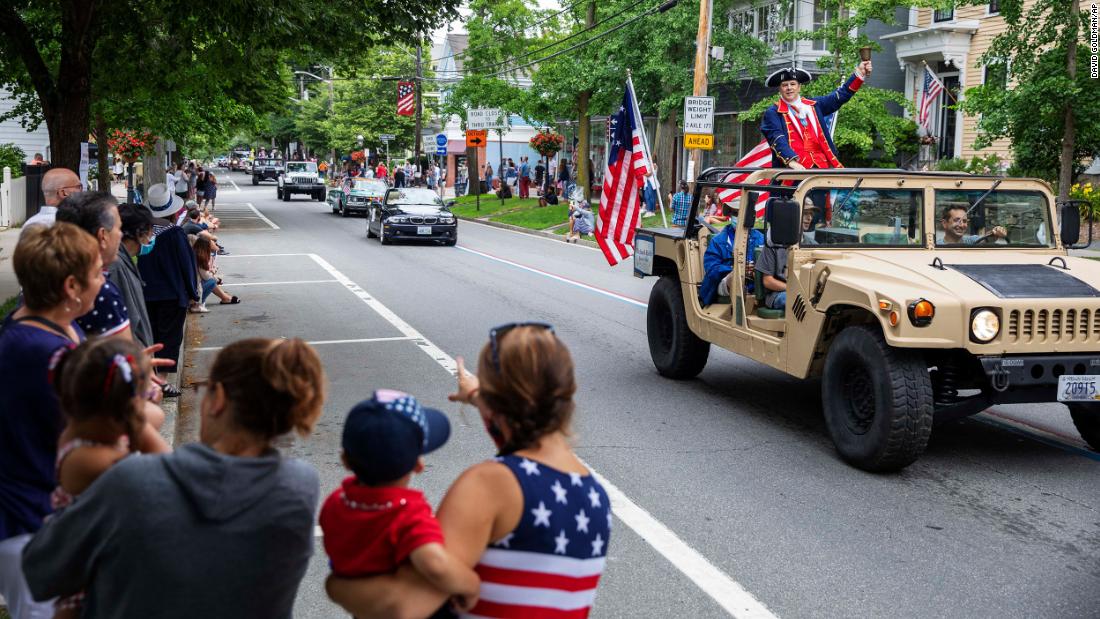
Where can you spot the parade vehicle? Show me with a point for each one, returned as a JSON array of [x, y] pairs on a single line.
[[238, 160], [904, 327], [412, 214], [361, 195], [299, 177], [266, 169]]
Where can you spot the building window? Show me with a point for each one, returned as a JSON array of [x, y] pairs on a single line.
[[741, 22], [943, 14], [773, 19], [996, 75], [823, 16], [994, 7]]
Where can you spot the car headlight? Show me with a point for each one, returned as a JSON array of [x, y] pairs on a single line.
[[984, 325], [446, 220], [397, 219]]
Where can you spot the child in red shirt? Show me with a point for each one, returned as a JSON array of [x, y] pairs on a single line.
[[374, 522]]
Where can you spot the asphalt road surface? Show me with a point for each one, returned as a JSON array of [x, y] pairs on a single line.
[[729, 498]]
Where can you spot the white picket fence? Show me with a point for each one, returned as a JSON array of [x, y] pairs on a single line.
[[13, 200]]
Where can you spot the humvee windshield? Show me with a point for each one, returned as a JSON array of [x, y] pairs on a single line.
[[1002, 219], [302, 167], [865, 217]]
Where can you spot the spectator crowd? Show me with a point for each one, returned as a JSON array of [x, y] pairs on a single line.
[[100, 517]]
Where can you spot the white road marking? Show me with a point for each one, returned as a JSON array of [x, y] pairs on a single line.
[[714, 582], [533, 236], [302, 281], [727, 592], [365, 340], [261, 216], [564, 280], [257, 256], [230, 179], [429, 348]]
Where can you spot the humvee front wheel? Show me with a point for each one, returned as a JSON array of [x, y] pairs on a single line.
[[676, 351], [878, 400], [1087, 419]]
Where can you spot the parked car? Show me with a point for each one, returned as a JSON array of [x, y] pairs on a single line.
[[361, 195], [267, 169], [300, 177], [412, 214]]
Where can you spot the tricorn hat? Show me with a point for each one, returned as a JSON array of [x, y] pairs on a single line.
[[787, 74]]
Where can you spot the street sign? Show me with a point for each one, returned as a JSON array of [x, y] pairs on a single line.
[[441, 150], [170, 146], [441, 139], [484, 118], [386, 137], [476, 138], [695, 140], [699, 115]]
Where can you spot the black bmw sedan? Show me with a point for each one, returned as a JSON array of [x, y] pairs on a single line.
[[412, 214]]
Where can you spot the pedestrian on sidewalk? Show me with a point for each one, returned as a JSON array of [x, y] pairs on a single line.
[[192, 180], [119, 169], [225, 525], [211, 190], [170, 277], [540, 175], [681, 205], [59, 270], [497, 516], [137, 240], [524, 178], [57, 184]]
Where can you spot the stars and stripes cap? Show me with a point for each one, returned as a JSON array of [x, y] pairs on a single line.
[[383, 436]]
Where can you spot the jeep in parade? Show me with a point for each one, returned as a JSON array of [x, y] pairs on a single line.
[[299, 177], [915, 297]]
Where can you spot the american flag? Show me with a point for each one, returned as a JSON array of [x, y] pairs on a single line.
[[627, 165], [931, 92], [406, 99], [549, 566], [759, 157]]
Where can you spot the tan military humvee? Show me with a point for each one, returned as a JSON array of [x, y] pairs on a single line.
[[916, 297]]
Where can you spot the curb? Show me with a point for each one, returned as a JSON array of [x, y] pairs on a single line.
[[522, 230], [171, 406]]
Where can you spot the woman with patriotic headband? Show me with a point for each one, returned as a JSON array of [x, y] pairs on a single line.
[[795, 126]]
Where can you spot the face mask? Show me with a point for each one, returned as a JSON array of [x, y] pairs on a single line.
[[146, 249]]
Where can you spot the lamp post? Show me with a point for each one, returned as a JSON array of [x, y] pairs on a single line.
[[359, 139]]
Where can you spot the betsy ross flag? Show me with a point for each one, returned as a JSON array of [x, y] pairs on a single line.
[[627, 164], [406, 98], [931, 92], [759, 157]]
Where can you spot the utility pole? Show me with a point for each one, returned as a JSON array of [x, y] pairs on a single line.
[[331, 108], [584, 142], [419, 45], [702, 58]]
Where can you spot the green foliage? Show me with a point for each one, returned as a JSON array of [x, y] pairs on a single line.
[[954, 164], [990, 165], [1090, 195], [11, 156]]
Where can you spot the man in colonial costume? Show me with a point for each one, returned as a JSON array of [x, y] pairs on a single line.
[[795, 126]]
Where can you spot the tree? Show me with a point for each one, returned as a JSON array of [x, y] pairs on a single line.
[[1050, 112], [60, 57]]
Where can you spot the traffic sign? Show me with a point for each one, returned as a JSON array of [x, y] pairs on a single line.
[[476, 138], [699, 115], [441, 150], [702, 142], [386, 137], [484, 118], [441, 139]]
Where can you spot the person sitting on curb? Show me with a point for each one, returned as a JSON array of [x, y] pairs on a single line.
[[550, 197], [374, 522], [582, 221], [227, 522], [204, 262]]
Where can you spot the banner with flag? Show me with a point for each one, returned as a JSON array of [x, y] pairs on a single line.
[[406, 98], [930, 94], [627, 164], [759, 157]]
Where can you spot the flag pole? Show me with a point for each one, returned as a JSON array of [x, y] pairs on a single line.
[[645, 148]]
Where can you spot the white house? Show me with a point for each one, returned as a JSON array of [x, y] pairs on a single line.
[[11, 132]]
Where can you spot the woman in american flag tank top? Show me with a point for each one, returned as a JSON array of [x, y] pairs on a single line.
[[534, 522]]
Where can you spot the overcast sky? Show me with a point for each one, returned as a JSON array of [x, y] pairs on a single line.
[[459, 26]]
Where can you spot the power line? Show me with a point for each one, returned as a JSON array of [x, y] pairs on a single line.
[[661, 8], [538, 23]]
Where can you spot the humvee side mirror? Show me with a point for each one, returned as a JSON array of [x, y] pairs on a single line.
[[784, 222], [748, 222], [1070, 225]]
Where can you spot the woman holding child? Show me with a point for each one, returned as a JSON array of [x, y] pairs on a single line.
[[232, 519], [515, 517]]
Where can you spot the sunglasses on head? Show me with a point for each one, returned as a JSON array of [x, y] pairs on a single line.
[[496, 333]]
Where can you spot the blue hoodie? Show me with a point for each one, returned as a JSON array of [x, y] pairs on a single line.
[[718, 260]]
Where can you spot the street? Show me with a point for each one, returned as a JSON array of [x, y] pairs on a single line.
[[729, 498]]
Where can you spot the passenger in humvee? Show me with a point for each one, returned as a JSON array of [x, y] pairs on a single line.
[[773, 260], [718, 263], [956, 223]]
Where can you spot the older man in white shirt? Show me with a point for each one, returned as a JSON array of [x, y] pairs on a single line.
[[57, 184]]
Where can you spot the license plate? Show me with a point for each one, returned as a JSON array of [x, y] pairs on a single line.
[[424, 230], [1078, 388]]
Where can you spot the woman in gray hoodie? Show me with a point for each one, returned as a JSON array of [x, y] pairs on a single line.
[[220, 528]]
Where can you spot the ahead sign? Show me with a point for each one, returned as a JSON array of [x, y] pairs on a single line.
[[484, 118], [699, 115]]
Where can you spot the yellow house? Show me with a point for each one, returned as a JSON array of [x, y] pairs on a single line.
[[950, 43]]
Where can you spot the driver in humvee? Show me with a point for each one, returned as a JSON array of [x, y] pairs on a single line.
[[955, 224]]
